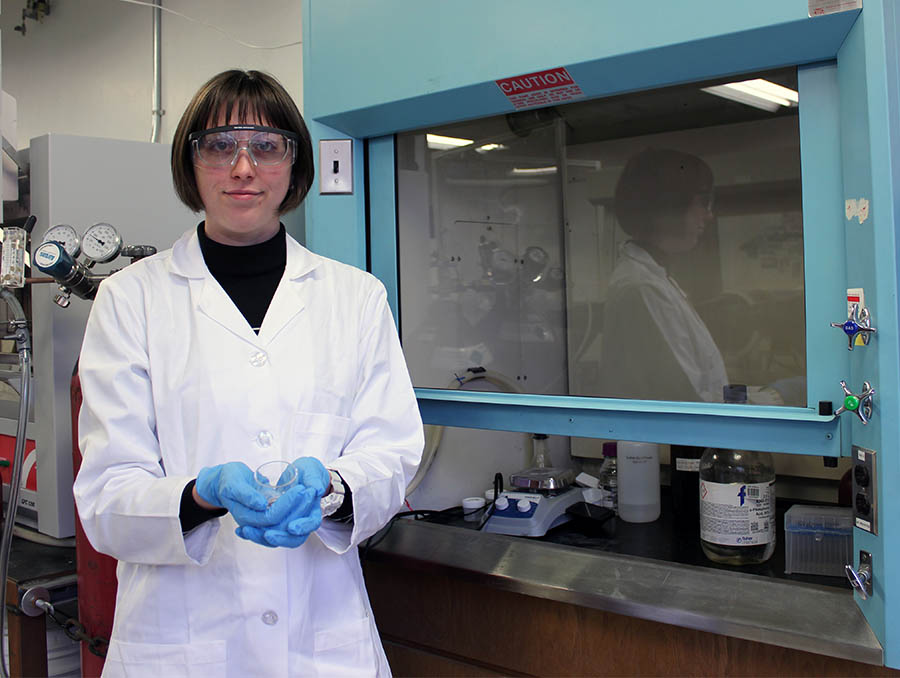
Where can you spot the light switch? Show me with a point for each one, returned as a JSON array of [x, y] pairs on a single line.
[[335, 166]]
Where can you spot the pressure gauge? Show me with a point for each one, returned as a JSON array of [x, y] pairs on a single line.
[[101, 243], [66, 236]]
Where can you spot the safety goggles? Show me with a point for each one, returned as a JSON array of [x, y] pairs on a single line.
[[220, 146]]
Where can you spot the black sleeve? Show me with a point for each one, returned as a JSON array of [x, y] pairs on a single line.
[[345, 513], [191, 513]]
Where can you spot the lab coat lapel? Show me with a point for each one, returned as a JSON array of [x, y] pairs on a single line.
[[208, 296], [287, 303], [290, 297], [215, 303]]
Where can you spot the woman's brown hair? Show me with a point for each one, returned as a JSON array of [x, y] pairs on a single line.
[[657, 183], [243, 95]]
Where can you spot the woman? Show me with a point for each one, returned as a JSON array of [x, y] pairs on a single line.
[[236, 347], [655, 345]]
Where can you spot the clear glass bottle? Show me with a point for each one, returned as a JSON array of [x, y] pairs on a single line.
[[737, 506], [608, 482]]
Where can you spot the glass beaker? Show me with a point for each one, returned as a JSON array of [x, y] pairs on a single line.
[[274, 478]]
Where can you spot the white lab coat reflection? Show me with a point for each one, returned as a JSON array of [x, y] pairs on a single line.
[[655, 345], [174, 379]]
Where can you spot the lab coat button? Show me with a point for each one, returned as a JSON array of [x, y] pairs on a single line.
[[258, 359], [264, 439], [269, 618]]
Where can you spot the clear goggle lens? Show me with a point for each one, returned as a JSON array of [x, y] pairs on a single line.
[[222, 148]]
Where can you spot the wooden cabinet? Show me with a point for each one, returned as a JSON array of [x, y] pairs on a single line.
[[435, 624]]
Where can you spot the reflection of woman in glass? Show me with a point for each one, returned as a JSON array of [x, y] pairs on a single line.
[[655, 346]]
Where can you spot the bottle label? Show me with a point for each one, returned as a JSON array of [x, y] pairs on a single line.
[[737, 514], [685, 464]]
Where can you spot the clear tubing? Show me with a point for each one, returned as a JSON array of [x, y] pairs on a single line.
[[23, 346]]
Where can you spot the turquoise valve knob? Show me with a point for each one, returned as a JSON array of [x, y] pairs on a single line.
[[857, 324], [858, 403]]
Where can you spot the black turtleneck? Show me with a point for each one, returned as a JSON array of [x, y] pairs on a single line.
[[249, 274]]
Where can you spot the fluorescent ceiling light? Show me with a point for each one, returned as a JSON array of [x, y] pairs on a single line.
[[442, 143], [758, 93], [532, 171], [490, 147]]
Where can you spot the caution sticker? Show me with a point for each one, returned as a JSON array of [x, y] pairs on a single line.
[[541, 88]]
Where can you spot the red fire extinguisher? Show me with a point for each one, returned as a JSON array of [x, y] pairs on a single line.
[[96, 571]]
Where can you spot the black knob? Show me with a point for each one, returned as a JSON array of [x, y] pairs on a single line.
[[861, 475]]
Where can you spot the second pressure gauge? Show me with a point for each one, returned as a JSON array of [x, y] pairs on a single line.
[[101, 243], [66, 236]]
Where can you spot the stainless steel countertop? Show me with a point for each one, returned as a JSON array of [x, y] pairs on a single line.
[[807, 617]]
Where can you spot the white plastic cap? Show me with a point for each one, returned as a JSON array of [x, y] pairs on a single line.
[[472, 503]]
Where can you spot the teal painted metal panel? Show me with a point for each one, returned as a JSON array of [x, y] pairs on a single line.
[[797, 43], [869, 132], [758, 428], [827, 359], [437, 62], [886, 159], [336, 224], [383, 218]]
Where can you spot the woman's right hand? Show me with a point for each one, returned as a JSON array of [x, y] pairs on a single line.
[[232, 486]]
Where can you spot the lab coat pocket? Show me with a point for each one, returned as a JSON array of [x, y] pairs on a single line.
[[346, 650], [194, 660], [319, 435]]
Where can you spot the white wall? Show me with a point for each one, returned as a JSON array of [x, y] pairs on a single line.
[[87, 69]]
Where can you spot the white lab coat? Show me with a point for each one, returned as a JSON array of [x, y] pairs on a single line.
[[655, 345], [173, 380]]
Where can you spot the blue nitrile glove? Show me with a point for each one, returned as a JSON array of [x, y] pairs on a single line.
[[312, 473], [233, 487], [298, 514]]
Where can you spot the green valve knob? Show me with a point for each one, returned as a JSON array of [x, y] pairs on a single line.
[[858, 403]]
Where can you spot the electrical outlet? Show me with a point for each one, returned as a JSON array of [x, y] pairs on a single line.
[[865, 506], [336, 166]]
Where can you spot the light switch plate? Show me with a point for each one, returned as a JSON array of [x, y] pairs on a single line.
[[336, 166]]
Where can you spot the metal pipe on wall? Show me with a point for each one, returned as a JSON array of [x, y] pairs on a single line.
[[157, 72]]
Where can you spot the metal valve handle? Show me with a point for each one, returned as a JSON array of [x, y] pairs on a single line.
[[34, 601], [860, 404], [860, 580], [857, 324]]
